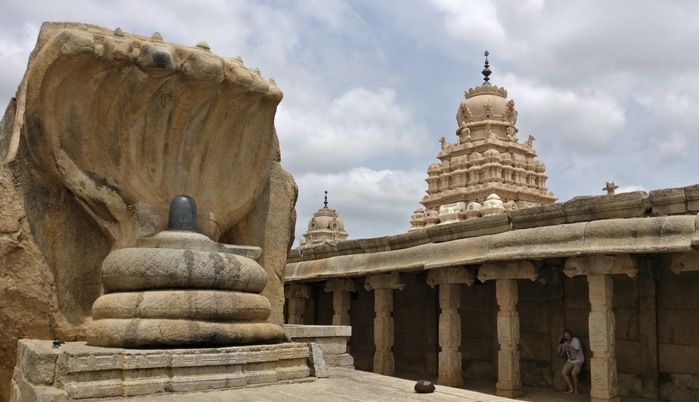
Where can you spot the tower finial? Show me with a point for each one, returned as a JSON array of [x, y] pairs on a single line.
[[486, 71], [326, 199]]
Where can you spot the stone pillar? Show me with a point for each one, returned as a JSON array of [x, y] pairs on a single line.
[[297, 294], [506, 274], [449, 280], [602, 339], [598, 268], [509, 380], [383, 286], [342, 289]]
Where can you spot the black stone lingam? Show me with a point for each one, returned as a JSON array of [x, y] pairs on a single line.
[[183, 214]]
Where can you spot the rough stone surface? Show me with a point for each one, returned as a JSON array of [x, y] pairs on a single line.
[[208, 305], [316, 361], [332, 339], [163, 333], [76, 371], [68, 196]]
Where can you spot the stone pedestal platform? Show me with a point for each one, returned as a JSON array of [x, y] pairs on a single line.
[[80, 372], [332, 340]]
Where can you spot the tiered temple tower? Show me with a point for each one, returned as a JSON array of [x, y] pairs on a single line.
[[325, 226], [487, 170]]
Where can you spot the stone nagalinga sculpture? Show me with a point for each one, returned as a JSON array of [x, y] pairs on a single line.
[[105, 129]]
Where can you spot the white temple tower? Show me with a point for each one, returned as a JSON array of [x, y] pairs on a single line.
[[487, 170], [325, 226]]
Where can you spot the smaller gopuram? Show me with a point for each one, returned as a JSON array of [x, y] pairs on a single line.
[[487, 171], [325, 226]]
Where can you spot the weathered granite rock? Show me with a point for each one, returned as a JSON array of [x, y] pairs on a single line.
[[82, 173]]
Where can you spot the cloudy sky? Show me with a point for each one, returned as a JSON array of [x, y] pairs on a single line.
[[610, 89]]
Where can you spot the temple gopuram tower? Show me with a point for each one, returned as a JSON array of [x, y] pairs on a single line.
[[487, 171], [325, 226]]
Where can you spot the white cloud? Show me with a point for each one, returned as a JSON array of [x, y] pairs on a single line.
[[609, 89], [353, 128], [572, 120], [372, 203]]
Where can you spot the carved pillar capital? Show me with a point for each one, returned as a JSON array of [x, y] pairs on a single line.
[[601, 264], [297, 293], [340, 285], [509, 270], [342, 300], [453, 276], [384, 281], [297, 290], [684, 262]]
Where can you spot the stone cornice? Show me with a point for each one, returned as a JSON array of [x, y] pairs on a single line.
[[671, 234], [602, 225]]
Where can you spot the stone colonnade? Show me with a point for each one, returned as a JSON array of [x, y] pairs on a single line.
[[601, 321]]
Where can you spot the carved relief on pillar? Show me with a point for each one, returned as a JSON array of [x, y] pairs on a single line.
[[506, 274], [297, 294], [509, 379], [383, 286], [342, 289], [449, 281]]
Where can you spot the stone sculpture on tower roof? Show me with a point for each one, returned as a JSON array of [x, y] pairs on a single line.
[[487, 170]]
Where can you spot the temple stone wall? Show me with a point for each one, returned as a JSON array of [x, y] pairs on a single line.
[[541, 315], [628, 346], [415, 313], [478, 334], [678, 336], [361, 343]]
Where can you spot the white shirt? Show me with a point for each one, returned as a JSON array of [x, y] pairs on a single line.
[[577, 358]]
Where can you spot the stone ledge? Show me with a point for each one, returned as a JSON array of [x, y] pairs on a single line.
[[583, 209], [332, 339], [620, 206], [77, 371], [311, 331], [663, 234]]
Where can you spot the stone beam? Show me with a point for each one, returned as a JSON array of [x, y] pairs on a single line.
[[383, 286], [601, 264], [297, 294], [449, 280], [508, 270], [342, 289]]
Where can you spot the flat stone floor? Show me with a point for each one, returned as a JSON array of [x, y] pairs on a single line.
[[343, 385], [355, 385]]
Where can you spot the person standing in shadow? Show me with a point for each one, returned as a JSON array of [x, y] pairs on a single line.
[[572, 350]]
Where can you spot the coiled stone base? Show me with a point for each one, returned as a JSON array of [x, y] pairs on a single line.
[[164, 333]]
